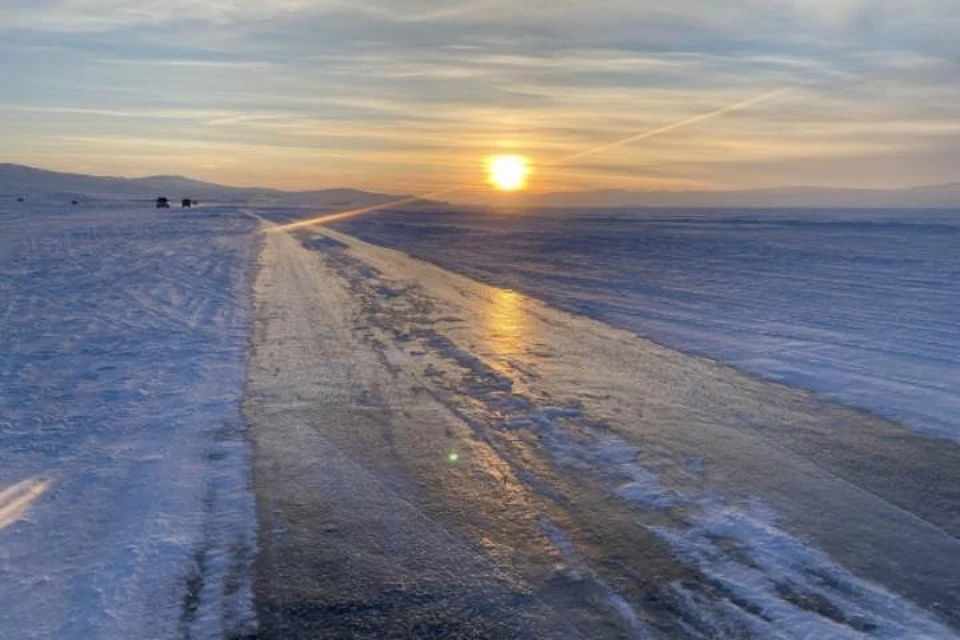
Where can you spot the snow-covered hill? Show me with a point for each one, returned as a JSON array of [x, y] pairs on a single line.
[[17, 181]]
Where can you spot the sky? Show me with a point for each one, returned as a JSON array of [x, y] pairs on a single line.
[[410, 96]]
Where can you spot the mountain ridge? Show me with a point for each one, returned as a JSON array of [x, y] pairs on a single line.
[[18, 180]]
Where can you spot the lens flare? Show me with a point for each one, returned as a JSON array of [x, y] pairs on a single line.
[[508, 172], [16, 500]]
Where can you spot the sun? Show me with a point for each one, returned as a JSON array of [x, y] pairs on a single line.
[[508, 172]]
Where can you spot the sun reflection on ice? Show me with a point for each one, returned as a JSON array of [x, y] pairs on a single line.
[[506, 330]]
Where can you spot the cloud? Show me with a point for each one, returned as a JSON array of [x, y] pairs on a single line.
[[418, 87], [105, 15]]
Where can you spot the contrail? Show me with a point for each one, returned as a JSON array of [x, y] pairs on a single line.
[[643, 135], [686, 122]]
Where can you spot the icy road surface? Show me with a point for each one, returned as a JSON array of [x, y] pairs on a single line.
[[125, 508], [439, 458], [858, 306]]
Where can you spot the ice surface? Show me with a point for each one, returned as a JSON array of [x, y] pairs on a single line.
[[587, 460], [858, 306], [124, 503], [737, 478]]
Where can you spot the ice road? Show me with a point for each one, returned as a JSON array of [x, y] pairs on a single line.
[[211, 432], [125, 506], [439, 458]]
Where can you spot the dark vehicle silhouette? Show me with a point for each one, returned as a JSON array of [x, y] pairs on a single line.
[[186, 203], [163, 203]]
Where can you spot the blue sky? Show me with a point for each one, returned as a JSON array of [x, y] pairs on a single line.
[[410, 96]]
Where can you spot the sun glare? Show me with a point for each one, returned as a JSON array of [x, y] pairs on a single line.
[[508, 172]]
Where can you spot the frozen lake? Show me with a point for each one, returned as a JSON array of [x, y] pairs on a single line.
[[858, 306], [438, 457]]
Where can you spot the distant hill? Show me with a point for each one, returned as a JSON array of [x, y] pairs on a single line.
[[937, 196], [20, 181]]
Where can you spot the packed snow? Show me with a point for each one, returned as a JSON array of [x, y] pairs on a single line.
[[860, 306], [125, 507]]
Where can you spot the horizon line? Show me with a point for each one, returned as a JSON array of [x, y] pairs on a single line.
[[516, 196]]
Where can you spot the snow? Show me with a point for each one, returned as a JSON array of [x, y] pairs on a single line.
[[125, 508], [781, 572], [859, 306]]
